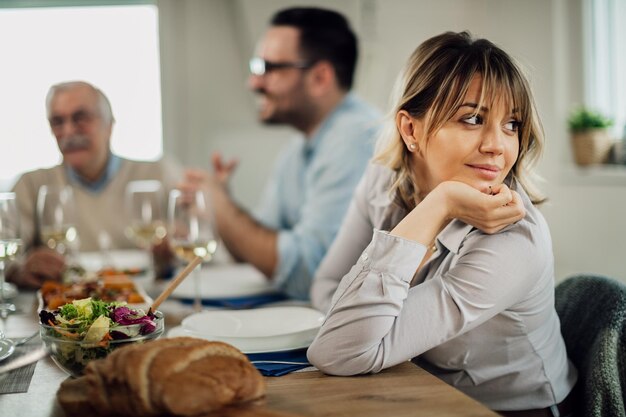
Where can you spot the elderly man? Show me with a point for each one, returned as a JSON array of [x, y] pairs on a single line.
[[302, 73], [81, 120]]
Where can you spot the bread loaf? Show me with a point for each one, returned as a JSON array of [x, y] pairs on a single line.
[[179, 376]]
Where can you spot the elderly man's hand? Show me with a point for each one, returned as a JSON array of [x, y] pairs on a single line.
[[40, 265]]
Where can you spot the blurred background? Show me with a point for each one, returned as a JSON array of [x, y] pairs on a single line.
[[175, 72]]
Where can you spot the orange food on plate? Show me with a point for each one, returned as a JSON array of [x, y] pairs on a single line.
[[56, 301], [127, 271], [120, 282], [113, 288], [135, 298]]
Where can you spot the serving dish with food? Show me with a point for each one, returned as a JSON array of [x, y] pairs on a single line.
[[87, 329], [107, 287]]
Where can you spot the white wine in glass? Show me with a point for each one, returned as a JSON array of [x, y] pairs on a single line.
[[192, 231], [145, 205], [56, 214], [10, 243], [187, 252]]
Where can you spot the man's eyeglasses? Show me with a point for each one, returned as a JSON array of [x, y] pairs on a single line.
[[80, 119], [259, 66]]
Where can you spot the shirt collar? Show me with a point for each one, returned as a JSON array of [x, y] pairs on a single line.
[[453, 235], [111, 168]]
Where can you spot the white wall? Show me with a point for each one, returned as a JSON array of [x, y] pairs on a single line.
[[206, 45]]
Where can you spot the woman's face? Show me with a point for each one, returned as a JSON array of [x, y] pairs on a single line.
[[477, 146]]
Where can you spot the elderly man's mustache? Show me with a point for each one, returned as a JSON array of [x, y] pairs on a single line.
[[73, 143]]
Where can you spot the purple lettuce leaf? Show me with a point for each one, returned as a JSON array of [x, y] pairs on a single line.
[[125, 317]]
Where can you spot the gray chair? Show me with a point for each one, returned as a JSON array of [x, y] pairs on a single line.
[[592, 309]]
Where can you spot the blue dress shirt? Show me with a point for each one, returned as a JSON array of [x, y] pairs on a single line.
[[310, 189], [113, 165]]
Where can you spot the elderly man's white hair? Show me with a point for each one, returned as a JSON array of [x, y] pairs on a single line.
[[104, 106]]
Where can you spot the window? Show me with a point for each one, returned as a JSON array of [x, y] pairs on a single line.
[[116, 48], [605, 59]]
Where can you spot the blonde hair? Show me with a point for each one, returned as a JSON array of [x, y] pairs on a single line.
[[433, 87]]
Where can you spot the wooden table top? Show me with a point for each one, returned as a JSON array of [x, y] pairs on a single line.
[[404, 390]]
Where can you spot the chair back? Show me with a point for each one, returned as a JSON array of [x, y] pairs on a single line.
[[592, 310]]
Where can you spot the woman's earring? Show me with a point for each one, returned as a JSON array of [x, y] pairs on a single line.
[[412, 147]]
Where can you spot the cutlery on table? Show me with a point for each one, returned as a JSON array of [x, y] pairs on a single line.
[[26, 359], [23, 340]]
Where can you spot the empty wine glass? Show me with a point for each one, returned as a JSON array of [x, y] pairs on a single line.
[[56, 214], [10, 243], [192, 231], [145, 206]]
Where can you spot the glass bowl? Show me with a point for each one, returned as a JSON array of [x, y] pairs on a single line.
[[73, 355]]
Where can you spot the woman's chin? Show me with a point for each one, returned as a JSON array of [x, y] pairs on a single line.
[[479, 184]]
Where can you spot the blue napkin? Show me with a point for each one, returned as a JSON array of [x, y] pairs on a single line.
[[241, 302], [297, 356]]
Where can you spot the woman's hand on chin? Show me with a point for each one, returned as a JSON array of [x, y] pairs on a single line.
[[489, 210]]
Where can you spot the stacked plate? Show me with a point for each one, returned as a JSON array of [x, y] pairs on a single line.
[[224, 282], [259, 330]]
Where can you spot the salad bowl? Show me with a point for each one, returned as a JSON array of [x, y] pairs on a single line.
[[86, 330]]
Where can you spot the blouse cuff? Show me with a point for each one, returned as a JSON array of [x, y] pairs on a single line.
[[393, 255]]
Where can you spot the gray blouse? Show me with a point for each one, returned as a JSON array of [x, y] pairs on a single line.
[[480, 315]]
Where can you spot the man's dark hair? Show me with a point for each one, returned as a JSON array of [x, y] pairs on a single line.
[[324, 35]]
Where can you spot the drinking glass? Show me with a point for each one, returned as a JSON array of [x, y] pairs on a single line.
[[145, 206], [10, 243], [56, 214], [192, 231]]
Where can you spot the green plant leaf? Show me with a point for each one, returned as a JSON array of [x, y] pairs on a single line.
[[583, 119]]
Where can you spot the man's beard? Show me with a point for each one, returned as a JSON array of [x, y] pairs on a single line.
[[73, 143], [299, 116]]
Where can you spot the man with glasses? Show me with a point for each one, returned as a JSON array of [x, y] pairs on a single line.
[[302, 74], [81, 120]]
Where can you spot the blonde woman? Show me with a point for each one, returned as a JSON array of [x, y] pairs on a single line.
[[462, 282]]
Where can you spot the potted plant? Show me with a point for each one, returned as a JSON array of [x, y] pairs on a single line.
[[590, 136]]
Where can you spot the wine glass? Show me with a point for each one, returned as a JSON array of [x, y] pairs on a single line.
[[145, 206], [56, 215], [192, 231], [10, 243]]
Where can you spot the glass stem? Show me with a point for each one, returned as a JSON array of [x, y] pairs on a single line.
[[152, 270], [197, 302], [5, 307], [2, 279]]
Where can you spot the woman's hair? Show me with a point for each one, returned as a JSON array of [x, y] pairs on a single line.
[[433, 87]]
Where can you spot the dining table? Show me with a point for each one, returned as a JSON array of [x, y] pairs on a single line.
[[403, 390]]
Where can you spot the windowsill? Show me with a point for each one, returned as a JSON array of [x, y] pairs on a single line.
[[606, 174]]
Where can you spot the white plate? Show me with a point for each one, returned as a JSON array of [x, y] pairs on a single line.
[[7, 347], [121, 259], [225, 281], [179, 331], [257, 330]]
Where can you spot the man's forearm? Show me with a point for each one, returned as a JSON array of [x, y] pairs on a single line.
[[244, 237]]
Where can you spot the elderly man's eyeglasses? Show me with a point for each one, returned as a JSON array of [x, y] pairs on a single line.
[[80, 119], [259, 66]]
